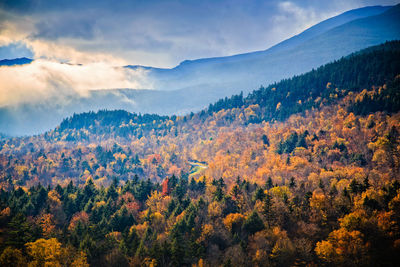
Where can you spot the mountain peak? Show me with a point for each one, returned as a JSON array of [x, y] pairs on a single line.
[[15, 61]]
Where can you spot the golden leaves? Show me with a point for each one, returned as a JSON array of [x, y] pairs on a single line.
[[234, 221]]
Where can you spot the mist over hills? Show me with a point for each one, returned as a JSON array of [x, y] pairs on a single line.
[[374, 66], [194, 84]]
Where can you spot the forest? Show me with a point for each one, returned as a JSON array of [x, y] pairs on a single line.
[[302, 172]]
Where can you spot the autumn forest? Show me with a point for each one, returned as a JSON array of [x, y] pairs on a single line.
[[302, 172]]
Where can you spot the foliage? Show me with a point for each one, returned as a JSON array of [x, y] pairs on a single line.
[[272, 186]]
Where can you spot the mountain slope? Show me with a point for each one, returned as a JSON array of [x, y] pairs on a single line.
[[199, 82], [373, 66], [285, 59], [329, 24], [303, 172], [234, 179], [157, 146]]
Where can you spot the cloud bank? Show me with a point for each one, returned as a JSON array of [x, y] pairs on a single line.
[[43, 80]]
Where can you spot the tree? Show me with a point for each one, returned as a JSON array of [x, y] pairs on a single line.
[[233, 222], [165, 188], [80, 260], [269, 183], [79, 217], [267, 208], [265, 140], [177, 250], [219, 191], [253, 223], [21, 231], [258, 194], [12, 257], [292, 183], [45, 252], [283, 252], [344, 248]]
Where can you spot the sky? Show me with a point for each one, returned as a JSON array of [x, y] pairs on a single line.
[[155, 33]]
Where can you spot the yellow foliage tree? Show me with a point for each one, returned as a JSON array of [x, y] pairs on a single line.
[[45, 252], [12, 257], [49, 252], [343, 248], [234, 221]]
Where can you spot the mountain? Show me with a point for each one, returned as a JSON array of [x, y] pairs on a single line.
[[15, 61], [374, 66], [327, 41], [302, 172], [360, 84], [193, 84], [328, 24]]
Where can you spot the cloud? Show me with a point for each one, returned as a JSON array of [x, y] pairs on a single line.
[[15, 50], [44, 80], [294, 18]]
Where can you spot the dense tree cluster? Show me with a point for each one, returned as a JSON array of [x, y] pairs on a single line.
[[340, 221], [385, 98], [373, 66]]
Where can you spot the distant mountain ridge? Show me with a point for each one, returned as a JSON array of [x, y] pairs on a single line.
[[15, 61], [305, 35], [373, 66], [199, 82], [330, 24], [228, 71]]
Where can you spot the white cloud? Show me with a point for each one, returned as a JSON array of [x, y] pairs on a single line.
[[14, 28], [293, 19], [44, 80], [63, 53]]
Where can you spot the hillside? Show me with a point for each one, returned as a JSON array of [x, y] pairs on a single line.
[[302, 172], [329, 24], [376, 65]]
